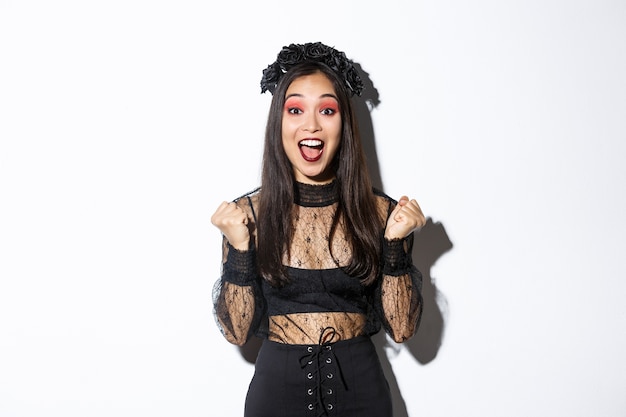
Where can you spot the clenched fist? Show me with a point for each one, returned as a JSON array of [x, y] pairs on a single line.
[[404, 219], [233, 223]]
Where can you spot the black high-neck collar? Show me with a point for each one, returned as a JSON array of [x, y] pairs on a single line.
[[309, 195]]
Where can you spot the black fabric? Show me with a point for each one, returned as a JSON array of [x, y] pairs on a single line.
[[342, 379], [316, 291], [320, 293]]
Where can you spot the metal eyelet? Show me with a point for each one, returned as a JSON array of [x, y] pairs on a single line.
[[330, 391], [310, 406], [309, 375], [329, 406], [329, 360], [329, 376], [309, 349], [309, 391], [310, 362]]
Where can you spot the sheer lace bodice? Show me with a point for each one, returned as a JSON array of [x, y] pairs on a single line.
[[320, 295]]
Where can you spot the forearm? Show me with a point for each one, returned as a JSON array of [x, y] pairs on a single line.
[[235, 308], [237, 296], [400, 291]]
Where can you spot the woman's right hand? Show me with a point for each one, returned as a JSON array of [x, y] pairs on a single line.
[[233, 223]]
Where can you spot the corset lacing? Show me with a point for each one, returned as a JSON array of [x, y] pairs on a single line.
[[321, 356]]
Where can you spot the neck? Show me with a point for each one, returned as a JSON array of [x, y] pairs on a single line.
[[316, 195]]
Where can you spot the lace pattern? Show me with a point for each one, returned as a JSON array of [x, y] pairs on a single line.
[[319, 298]]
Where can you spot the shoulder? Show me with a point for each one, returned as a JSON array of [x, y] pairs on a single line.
[[380, 195], [249, 195], [384, 203], [248, 201]]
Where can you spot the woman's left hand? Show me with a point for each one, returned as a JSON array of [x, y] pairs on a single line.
[[404, 219]]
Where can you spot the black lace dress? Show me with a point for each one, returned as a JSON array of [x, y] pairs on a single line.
[[317, 357]]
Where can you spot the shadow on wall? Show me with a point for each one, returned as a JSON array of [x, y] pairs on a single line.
[[430, 243]]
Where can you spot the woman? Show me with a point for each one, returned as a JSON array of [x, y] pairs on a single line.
[[316, 260]]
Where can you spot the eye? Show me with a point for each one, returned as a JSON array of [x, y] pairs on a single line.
[[328, 107], [294, 110]]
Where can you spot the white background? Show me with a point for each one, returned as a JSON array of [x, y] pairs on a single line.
[[123, 125]]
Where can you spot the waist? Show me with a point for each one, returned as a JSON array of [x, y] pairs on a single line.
[[310, 328]]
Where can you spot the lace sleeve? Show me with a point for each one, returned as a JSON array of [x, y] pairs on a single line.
[[238, 303], [237, 299], [399, 297]]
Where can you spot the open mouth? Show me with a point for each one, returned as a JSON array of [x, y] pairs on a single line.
[[311, 149]]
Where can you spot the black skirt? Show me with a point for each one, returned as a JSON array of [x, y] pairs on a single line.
[[337, 379]]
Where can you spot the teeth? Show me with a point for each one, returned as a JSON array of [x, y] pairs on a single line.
[[311, 143]]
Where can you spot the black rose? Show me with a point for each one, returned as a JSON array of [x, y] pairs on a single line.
[[353, 81], [316, 50], [289, 56], [270, 78]]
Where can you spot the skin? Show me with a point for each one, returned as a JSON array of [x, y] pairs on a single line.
[[311, 114]]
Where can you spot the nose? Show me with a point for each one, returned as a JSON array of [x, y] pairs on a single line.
[[311, 123]]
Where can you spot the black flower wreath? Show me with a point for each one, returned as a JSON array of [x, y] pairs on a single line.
[[297, 53]]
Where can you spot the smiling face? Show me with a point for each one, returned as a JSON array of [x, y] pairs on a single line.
[[311, 128]]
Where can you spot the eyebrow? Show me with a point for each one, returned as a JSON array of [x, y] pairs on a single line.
[[322, 96]]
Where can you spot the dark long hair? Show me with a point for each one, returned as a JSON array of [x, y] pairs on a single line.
[[356, 207]]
